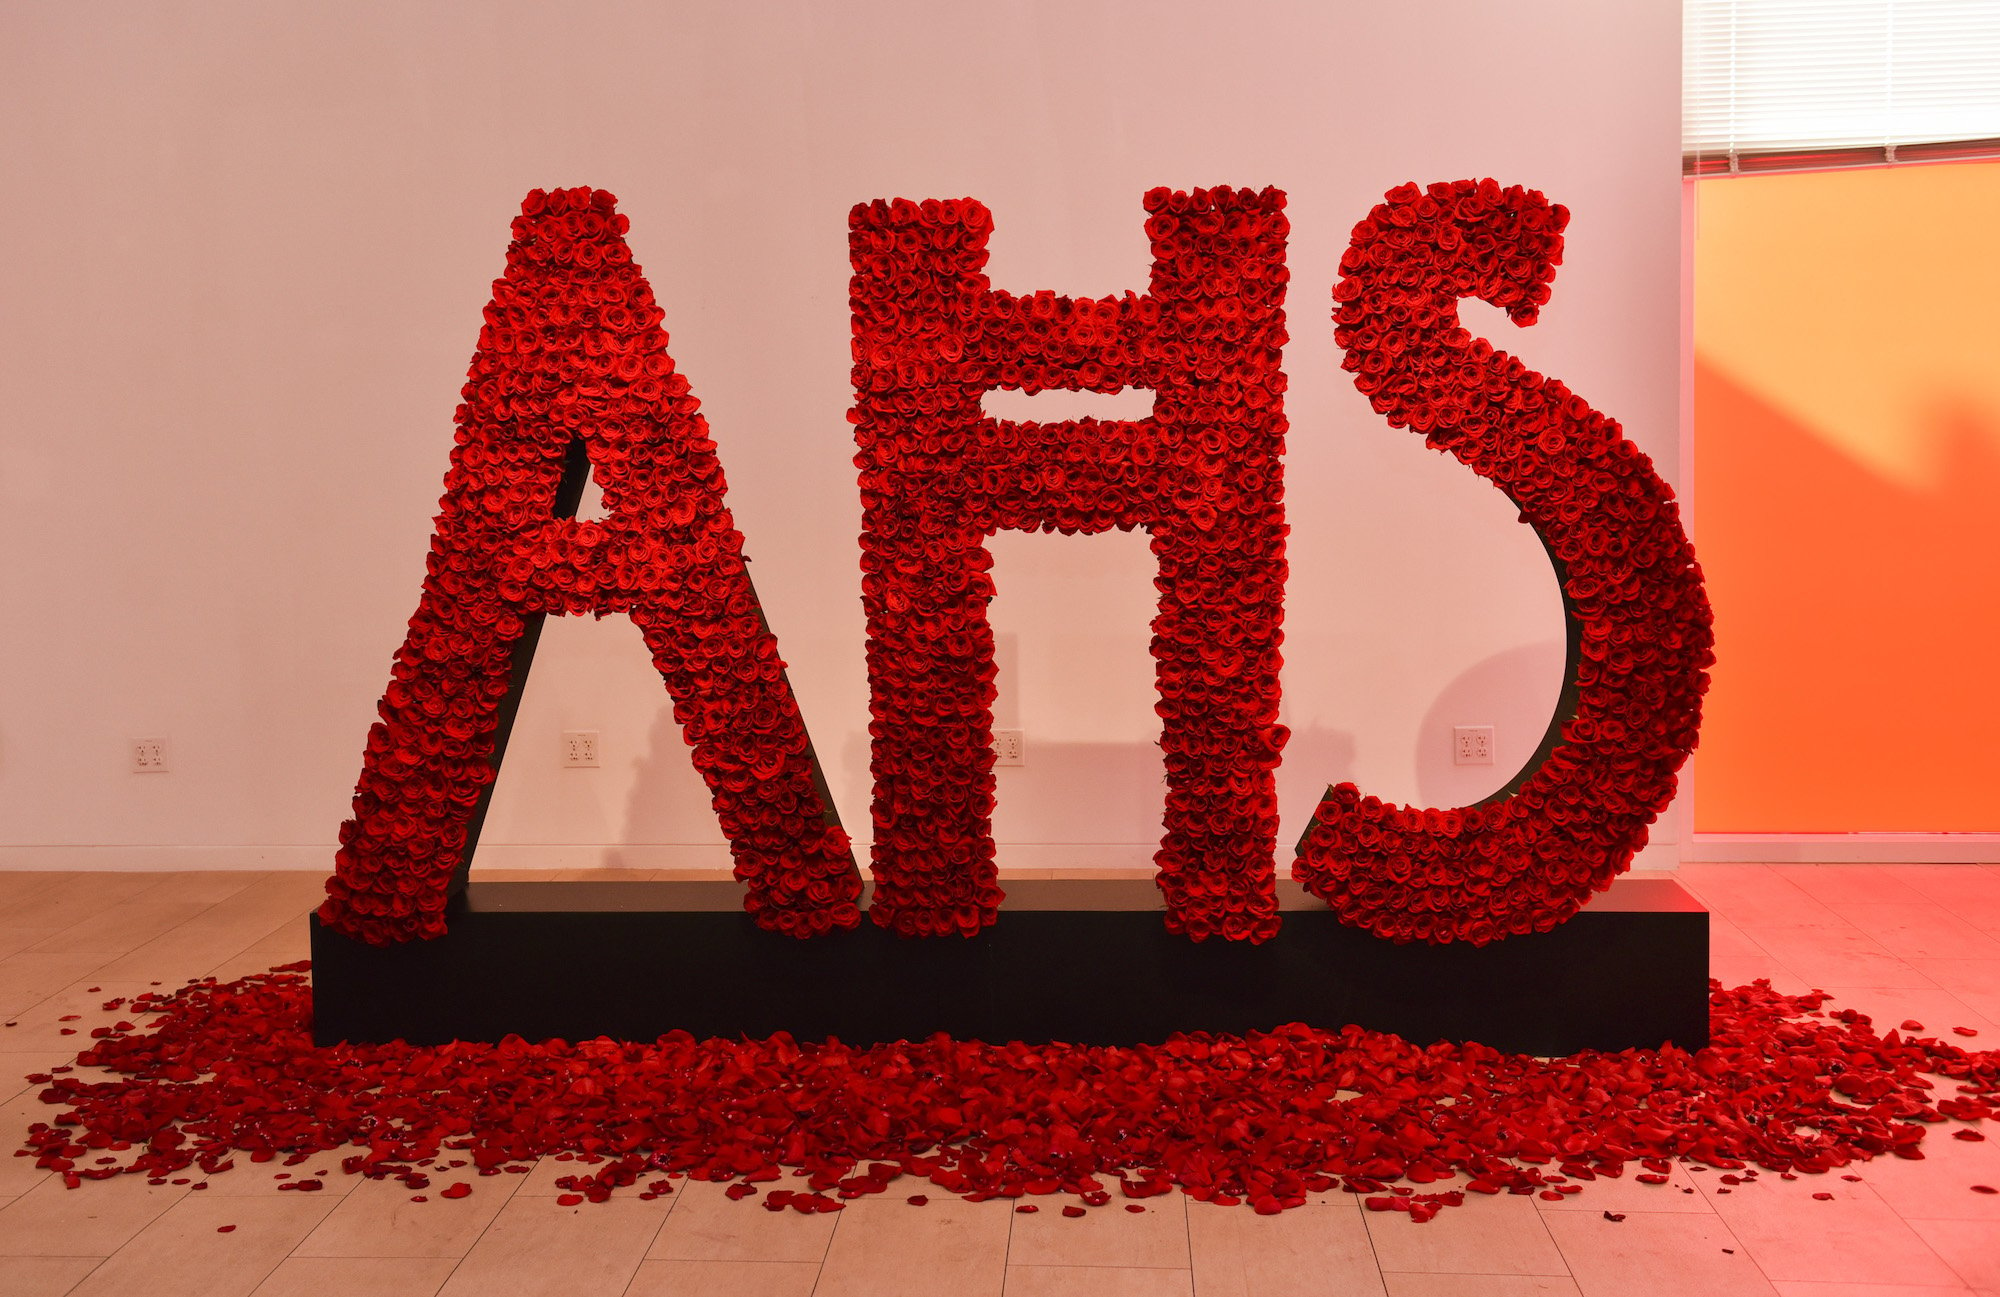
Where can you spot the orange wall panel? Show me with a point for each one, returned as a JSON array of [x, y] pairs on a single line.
[[1847, 499]]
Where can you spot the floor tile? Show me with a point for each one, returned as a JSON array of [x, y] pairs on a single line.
[[1938, 1009], [724, 1279], [327, 1276], [118, 929], [41, 1025], [1107, 1235], [535, 1248], [224, 930], [1097, 1281], [1837, 885], [1747, 895], [20, 1174], [95, 1219], [1741, 970], [377, 1218], [1792, 1288], [185, 1254], [1835, 956], [1972, 893], [43, 1276], [69, 899], [255, 1179], [19, 886], [1655, 1252], [30, 977], [1853, 1237], [1308, 1250], [1928, 930], [705, 1225], [891, 1249], [14, 940], [1626, 1193], [1975, 981], [540, 1180], [1725, 938], [287, 943], [1939, 1186], [1480, 1285], [1490, 1234], [1970, 1247]]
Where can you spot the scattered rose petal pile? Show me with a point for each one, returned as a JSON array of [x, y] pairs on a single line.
[[228, 1071]]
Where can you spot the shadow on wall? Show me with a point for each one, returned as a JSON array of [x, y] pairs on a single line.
[[668, 802], [1516, 692], [1856, 619]]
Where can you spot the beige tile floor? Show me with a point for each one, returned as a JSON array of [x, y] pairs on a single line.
[[1895, 941]]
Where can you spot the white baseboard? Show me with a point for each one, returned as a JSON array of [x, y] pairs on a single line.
[[319, 857], [1014, 858], [1657, 858], [156, 858], [1844, 848]]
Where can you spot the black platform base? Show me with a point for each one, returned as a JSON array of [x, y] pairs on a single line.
[[1082, 961]]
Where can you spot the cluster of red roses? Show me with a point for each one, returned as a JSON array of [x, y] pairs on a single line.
[[1203, 476], [573, 350], [229, 1071], [1528, 860]]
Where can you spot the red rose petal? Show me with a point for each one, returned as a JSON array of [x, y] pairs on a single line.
[[1073, 1211], [1957, 1031], [1824, 1197], [226, 1073], [1984, 1188], [225, 1229], [568, 1199], [457, 1190], [917, 1200], [1027, 1208], [1614, 1215], [1133, 1206]]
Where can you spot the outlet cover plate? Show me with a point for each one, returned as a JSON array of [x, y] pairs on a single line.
[[1472, 745], [579, 749], [150, 757]]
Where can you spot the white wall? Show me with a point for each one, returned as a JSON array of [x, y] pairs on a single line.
[[245, 249]]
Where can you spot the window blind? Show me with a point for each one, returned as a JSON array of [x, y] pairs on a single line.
[[1783, 84]]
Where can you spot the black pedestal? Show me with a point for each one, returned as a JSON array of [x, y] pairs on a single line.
[[1071, 960]]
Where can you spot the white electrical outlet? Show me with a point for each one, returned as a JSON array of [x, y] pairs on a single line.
[[1010, 748], [149, 757], [579, 749], [1472, 745]]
